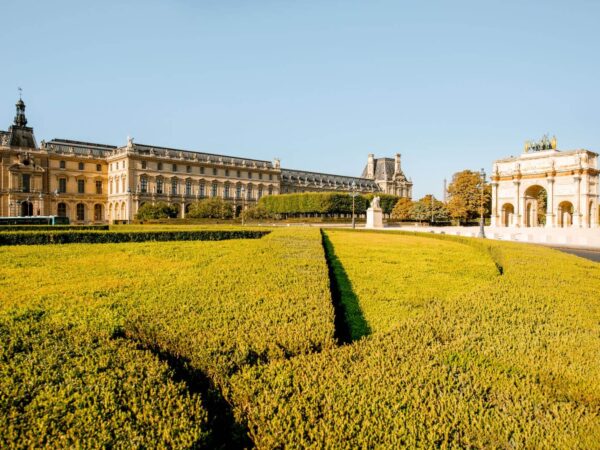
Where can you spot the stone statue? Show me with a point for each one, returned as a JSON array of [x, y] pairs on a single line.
[[375, 203], [129, 142]]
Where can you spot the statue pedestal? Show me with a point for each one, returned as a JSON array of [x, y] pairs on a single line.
[[374, 218]]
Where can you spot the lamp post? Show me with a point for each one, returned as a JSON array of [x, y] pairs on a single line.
[[481, 224], [243, 204], [431, 209], [353, 194]]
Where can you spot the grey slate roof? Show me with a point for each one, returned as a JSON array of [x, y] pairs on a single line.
[[384, 169], [325, 180]]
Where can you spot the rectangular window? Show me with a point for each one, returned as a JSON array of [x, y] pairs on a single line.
[[173, 187], [62, 185], [159, 166], [81, 166], [63, 164], [159, 186], [144, 185], [238, 191], [271, 176], [201, 190], [144, 165], [260, 175], [80, 212], [226, 172], [214, 190], [202, 170], [26, 182], [98, 168], [249, 175], [260, 191], [239, 174], [188, 169], [214, 170], [174, 167], [81, 186], [270, 190], [249, 196], [188, 187], [98, 187], [226, 191]]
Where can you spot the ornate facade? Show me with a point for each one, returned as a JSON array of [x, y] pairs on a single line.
[[97, 183], [546, 187]]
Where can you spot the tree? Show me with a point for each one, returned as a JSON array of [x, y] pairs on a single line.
[[211, 208], [257, 212], [429, 209], [465, 196], [402, 209], [160, 210]]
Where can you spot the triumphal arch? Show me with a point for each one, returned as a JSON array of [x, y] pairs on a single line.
[[546, 187]]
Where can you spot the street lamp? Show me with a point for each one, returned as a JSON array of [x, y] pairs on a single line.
[[243, 204], [353, 194], [481, 224]]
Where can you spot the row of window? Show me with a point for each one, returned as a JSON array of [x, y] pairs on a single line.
[[188, 169], [80, 166], [202, 189], [80, 211], [62, 186]]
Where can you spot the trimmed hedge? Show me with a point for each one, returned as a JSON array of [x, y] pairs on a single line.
[[101, 237], [51, 227]]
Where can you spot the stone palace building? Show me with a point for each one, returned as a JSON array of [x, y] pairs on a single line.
[[546, 187], [98, 183]]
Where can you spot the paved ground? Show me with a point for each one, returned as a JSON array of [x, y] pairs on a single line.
[[593, 255]]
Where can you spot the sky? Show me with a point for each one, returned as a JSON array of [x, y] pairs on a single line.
[[451, 85]]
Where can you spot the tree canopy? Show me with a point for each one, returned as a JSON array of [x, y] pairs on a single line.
[[465, 196]]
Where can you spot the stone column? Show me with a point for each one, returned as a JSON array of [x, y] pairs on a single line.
[[550, 217], [517, 221], [494, 218], [577, 206]]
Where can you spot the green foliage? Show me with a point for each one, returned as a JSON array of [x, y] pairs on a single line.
[[4, 228], [63, 385], [211, 208], [429, 209], [386, 201], [313, 203], [160, 210], [257, 212], [459, 356], [105, 237]]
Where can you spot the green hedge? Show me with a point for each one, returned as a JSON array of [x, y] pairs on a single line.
[[324, 203], [102, 237], [51, 227]]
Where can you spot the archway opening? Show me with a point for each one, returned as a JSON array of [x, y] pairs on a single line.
[[508, 214], [535, 206], [61, 210], [565, 214], [97, 212]]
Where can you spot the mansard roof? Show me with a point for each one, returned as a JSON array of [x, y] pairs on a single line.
[[199, 156], [303, 176], [384, 169], [78, 148]]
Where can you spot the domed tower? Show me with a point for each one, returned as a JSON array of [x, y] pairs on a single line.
[[19, 134]]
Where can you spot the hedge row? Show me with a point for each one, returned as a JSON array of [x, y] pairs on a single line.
[[324, 203], [51, 227], [102, 237]]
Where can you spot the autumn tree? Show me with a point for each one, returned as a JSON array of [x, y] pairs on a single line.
[[402, 209], [464, 193]]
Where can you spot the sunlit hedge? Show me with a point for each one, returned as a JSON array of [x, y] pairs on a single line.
[[100, 237], [51, 227]]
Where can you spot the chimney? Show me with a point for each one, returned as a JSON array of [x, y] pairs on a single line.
[[397, 167], [371, 166]]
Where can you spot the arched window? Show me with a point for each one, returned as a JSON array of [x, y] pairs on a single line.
[[260, 191], [26, 209], [174, 186], [270, 190], [188, 187], [226, 191], [61, 210], [80, 211], [202, 190], [214, 190], [97, 212], [249, 190], [238, 191], [159, 186]]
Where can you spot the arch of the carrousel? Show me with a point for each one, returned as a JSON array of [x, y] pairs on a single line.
[[565, 214], [535, 213], [508, 214]]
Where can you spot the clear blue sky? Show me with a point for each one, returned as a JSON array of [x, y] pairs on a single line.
[[319, 84]]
